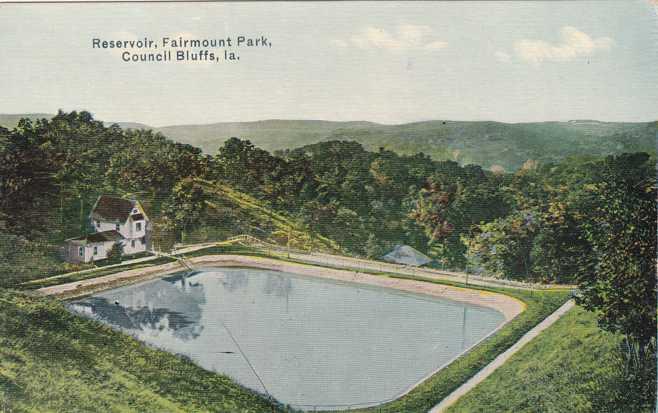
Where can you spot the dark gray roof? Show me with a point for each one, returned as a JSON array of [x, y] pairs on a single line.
[[112, 208], [404, 254]]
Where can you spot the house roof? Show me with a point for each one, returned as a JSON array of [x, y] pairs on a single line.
[[404, 254], [112, 208], [104, 236]]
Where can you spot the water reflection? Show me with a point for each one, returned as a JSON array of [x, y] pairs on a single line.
[[311, 341], [234, 281], [278, 285], [172, 304]]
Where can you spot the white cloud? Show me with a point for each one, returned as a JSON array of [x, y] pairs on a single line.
[[574, 43], [406, 37], [503, 57], [340, 43]]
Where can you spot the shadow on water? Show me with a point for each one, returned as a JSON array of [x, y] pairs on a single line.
[[142, 310], [278, 285], [233, 281]]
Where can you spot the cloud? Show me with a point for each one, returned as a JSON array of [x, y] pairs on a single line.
[[574, 43], [502, 56], [405, 37]]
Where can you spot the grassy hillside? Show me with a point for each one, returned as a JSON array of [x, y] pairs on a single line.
[[244, 214], [571, 367], [53, 361]]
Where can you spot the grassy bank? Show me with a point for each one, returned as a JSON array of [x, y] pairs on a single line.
[[79, 276], [539, 305], [51, 360], [571, 367]]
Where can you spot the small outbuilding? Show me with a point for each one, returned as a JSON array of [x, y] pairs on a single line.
[[92, 247], [406, 255]]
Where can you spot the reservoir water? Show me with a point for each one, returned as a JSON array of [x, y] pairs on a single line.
[[312, 342]]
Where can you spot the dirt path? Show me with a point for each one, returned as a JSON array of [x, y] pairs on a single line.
[[501, 359], [380, 266], [508, 306]]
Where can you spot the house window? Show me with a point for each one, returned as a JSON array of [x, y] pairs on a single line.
[[81, 251], [132, 243], [98, 224], [95, 250], [138, 226], [118, 227]]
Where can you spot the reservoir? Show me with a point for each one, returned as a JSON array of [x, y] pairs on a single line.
[[309, 342]]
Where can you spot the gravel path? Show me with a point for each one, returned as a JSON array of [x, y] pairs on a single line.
[[508, 306], [501, 359]]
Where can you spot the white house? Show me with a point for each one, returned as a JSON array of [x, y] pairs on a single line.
[[115, 221]]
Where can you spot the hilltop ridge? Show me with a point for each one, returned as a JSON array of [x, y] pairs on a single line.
[[486, 143]]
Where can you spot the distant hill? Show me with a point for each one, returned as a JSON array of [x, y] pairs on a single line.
[[10, 121], [485, 143], [503, 144], [267, 134], [130, 125]]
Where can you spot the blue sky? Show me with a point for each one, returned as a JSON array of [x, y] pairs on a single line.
[[384, 62]]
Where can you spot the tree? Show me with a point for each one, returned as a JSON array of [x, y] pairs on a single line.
[[115, 254], [503, 246], [186, 207], [242, 164], [559, 245], [618, 279], [451, 204], [373, 249], [28, 185]]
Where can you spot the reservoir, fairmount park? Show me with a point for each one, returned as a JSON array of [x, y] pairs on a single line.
[[306, 341]]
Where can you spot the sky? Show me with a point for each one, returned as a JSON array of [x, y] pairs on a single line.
[[382, 62]]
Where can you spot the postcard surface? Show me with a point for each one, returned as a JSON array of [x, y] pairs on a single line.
[[312, 206]]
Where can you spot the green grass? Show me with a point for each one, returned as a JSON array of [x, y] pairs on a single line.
[[76, 276], [284, 228], [53, 361], [73, 277], [571, 367]]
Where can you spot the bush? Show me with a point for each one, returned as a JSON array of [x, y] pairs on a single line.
[[115, 254]]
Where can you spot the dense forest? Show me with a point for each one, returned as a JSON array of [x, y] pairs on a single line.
[[537, 223], [583, 220]]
